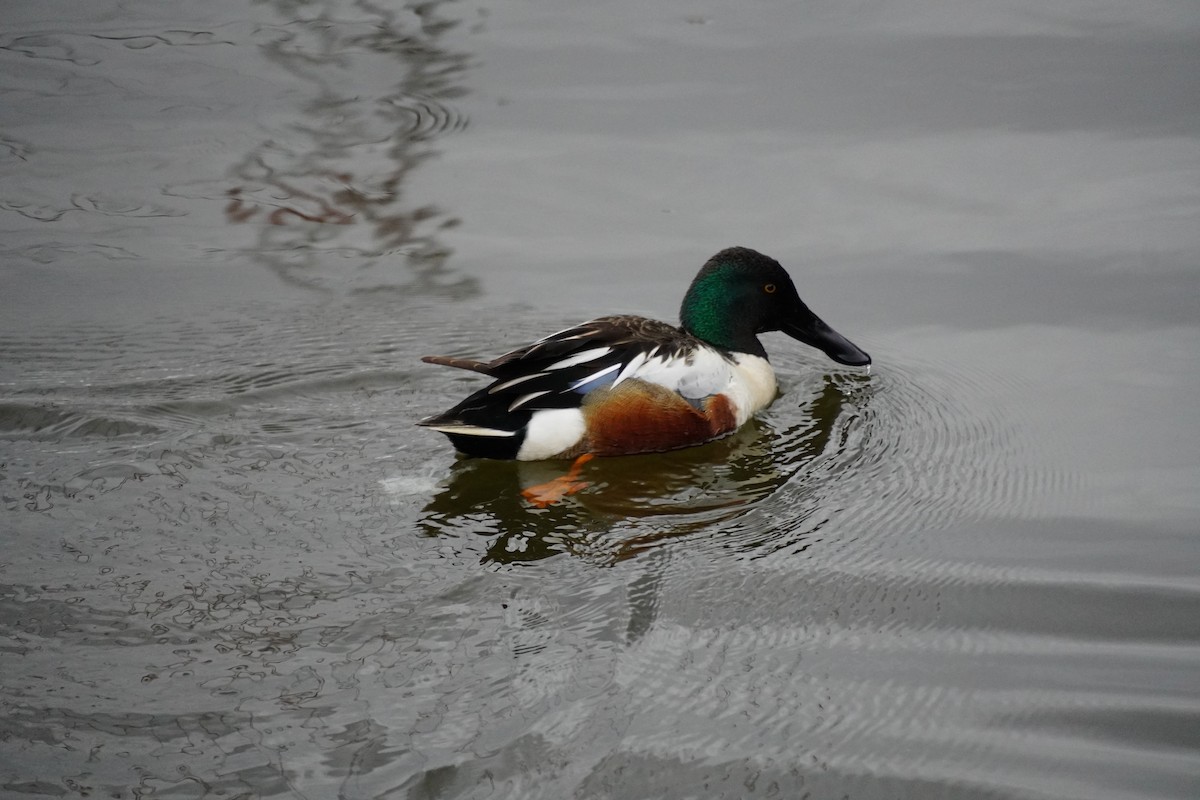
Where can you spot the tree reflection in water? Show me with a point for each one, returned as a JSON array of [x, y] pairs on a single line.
[[325, 188]]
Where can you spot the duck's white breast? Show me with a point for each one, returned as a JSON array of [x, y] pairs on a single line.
[[753, 385], [747, 380]]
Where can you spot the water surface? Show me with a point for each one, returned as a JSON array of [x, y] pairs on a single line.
[[233, 568]]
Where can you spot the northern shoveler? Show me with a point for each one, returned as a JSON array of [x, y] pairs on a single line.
[[623, 385]]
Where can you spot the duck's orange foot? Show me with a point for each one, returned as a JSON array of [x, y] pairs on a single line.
[[550, 492]]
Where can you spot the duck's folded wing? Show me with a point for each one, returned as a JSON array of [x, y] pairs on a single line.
[[560, 370]]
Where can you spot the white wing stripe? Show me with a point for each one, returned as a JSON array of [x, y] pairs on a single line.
[[632, 367], [471, 430], [595, 376], [525, 398], [500, 387], [581, 358]]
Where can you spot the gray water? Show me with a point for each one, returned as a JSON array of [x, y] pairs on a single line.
[[232, 568]]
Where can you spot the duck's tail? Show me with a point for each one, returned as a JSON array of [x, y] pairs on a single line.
[[459, 363]]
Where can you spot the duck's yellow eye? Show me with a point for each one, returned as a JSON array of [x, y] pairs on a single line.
[[769, 288]]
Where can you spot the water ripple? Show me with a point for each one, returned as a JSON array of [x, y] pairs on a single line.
[[177, 38], [917, 448], [12, 148], [420, 117], [789, 592], [909, 448]]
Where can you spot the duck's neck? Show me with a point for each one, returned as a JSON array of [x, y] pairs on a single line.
[[710, 314]]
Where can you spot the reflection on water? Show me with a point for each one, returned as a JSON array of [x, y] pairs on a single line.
[[674, 494], [326, 190]]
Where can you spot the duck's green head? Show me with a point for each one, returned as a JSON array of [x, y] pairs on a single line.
[[741, 293]]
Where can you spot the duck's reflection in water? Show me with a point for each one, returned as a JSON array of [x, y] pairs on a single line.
[[673, 494]]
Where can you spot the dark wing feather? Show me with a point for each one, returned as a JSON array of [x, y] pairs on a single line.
[[532, 378], [459, 363]]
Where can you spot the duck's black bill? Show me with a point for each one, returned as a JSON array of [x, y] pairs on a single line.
[[816, 333]]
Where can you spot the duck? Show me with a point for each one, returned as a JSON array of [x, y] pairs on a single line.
[[627, 385]]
